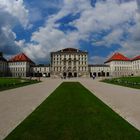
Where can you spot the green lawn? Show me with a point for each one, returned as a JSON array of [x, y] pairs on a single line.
[[9, 83], [71, 112], [133, 82]]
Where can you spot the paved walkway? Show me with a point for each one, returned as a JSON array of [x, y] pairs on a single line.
[[125, 101], [17, 104]]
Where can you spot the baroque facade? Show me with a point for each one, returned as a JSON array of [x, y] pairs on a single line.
[[41, 70], [99, 70], [136, 66], [121, 65], [70, 62], [20, 66]]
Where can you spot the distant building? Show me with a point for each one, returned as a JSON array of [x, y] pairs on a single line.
[[136, 66], [41, 70], [99, 70], [69, 62], [120, 65], [20, 66], [3, 65]]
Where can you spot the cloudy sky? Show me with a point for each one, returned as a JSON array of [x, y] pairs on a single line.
[[100, 27]]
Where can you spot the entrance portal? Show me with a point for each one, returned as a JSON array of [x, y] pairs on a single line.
[[99, 74], [64, 74], [90, 74], [107, 74], [103, 74], [75, 74], [69, 74]]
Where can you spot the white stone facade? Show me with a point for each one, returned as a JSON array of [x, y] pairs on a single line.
[[41, 71], [120, 68], [121, 65], [99, 70], [19, 69], [136, 67], [69, 63]]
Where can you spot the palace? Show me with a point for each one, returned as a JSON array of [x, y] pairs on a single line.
[[70, 62], [121, 65], [20, 66]]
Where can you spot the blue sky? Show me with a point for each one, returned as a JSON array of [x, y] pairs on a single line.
[[100, 27]]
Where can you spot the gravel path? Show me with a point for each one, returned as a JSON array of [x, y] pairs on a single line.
[[125, 101], [17, 104]]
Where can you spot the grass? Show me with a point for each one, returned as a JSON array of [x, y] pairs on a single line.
[[9, 83], [133, 82], [71, 112]]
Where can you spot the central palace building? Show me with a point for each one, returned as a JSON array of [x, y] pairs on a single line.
[[70, 62]]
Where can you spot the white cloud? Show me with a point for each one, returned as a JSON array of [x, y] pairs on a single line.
[[7, 41], [108, 15], [112, 15], [35, 15], [138, 2], [17, 9], [105, 16], [112, 38], [49, 39], [12, 12], [97, 60], [131, 46]]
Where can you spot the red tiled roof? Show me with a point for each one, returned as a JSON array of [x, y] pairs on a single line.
[[136, 58], [20, 58], [118, 57]]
